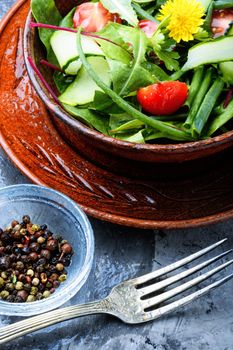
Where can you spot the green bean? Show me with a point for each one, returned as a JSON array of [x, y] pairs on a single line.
[[143, 14], [206, 107], [169, 131], [199, 98], [221, 4], [195, 85], [221, 119]]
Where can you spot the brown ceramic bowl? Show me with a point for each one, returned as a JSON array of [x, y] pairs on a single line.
[[119, 156]]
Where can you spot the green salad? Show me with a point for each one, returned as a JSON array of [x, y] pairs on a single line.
[[142, 71]]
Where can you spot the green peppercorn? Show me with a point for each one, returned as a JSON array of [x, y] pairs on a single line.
[[19, 285], [4, 275], [4, 294], [17, 228], [19, 265], [2, 282], [49, 285], [35, 228], [59, 267], [30, 272], [23, 231], [46, 294], [34, 290], [35, 281], [62, 278], [10, 287], [30, 298], [41, 240]]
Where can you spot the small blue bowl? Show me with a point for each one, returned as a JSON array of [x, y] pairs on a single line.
[[63, 217]]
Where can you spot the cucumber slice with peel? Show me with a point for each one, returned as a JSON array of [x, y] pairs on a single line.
[[82, 90], [219, 50], [227, 71], [65, 49]]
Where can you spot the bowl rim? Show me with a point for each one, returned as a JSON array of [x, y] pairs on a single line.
[[107, 140], [59, 297]]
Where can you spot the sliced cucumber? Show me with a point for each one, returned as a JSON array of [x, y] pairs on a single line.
[[215, 51], [82, 90], [73, 67], [227, 71], [65, 48]]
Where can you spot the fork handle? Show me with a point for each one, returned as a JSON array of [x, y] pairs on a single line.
[[32, 324]]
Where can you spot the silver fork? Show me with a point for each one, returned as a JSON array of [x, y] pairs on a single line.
[[134, 301]]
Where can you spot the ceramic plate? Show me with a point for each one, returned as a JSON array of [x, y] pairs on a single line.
[[30, 139]]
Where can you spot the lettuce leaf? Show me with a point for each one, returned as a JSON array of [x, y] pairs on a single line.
[[123, 8], [45, 11]]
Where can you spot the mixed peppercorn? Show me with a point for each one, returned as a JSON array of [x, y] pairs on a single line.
[[32, 261]]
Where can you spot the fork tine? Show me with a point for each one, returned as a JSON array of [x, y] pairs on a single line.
[[152, 315], [175, 291], [169, 281], [176, 265]]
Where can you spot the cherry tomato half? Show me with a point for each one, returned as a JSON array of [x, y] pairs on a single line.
[[148, 27], [93, 17], [220, 21], [163, 98]]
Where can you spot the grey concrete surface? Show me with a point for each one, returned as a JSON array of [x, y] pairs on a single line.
[[122, 253]]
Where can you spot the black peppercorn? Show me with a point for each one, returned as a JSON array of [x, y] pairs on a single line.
[[45, 254], [26, 250], [26, 219], [5, 262], [6, 238], [34, 247], [52, 245], [33, 256], [2, 250], [32, 238]]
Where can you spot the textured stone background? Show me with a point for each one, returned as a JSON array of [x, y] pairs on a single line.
[[122, 253]]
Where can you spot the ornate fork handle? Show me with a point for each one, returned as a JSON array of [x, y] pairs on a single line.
[[37, 322]]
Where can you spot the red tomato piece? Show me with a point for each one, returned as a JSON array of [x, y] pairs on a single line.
[[163, 98], [148, 27], [220, 21], [93, 17]]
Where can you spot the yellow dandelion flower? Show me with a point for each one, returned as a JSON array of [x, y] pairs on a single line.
[[185, 18]]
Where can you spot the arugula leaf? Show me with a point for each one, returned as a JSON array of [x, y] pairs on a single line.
[[135, 138], [123, 8], [90, 118], [67, 21], [169, 59], [143, 13], [126, 79], [103, 103], [117, 120], [130, 125], [163, 47], [45, 11], [139, 42], [156, 71]]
